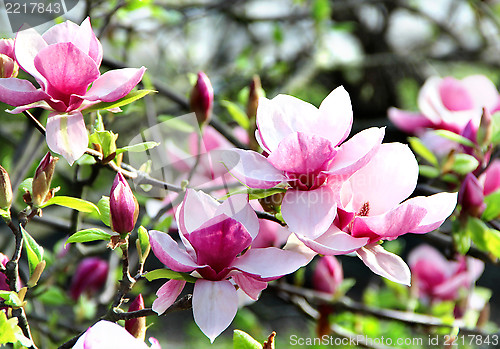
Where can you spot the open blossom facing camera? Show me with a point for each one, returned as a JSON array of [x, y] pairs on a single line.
[[107, 335], [440, 279], [449, 104], [216, 238], [304, 150], [65, 62]]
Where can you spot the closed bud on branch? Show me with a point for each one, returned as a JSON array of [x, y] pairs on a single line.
[[485, 131], [202, 99], [471, 196], [5, 190], [328, 275], [89, 277], [137, 327], [123, 206], [254, 93], [41, 191]]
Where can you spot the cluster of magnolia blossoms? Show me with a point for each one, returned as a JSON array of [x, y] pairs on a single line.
[[341, 197], [65, 62]]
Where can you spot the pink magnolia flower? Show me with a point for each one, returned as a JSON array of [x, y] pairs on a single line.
[[65, 62], [106, 334], [449, 104], [304, 149], [327, 275], [439, 279], [89, 277], [216, 238], [372, 208], [8, 64], [136, 327]]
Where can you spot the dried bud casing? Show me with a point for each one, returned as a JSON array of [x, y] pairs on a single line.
[[137, 327], [5, 190], [255, 92], [202, 99], [485, 130], [123, 206], [41, 191]]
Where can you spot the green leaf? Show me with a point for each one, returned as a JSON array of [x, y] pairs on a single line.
[[131, 97], [236, 113], [255, 194], [461, 237], [11, 299], [420, 149], [10, 332], [139, 147], [143, 238], [321, 10], [33, 250], [93, 234], [53, 295], [242, 340], [495, 127], [26, 185], [464, 163], [452, 136], [107, 141], [103, 206], [428, 171], [86, 159], [74, 203], [485, 238], [175, 123], [164, 224], [98, 125], [5, 214], [169, 274], [492, 210]]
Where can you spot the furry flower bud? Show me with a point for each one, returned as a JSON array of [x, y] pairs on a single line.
[[5, 190], [41, 191]]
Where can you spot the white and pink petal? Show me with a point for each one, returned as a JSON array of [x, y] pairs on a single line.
[[167, 294]]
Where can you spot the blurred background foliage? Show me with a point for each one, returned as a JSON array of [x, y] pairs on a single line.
[[381, 51]]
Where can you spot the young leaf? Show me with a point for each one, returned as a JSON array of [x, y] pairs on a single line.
[[136, 148], [492, 210], [485, 238], [74, 203], [26, 185], [10, 332], [420, 149], [169, 274], [143, 238], [428, 171], [131, 97], [107, 141], [87, 235], [495, 126], [237, 113], [11, 299], [242, 340], [33, 250], [255, 194], [103, 206], [464, 163], [452, 136]]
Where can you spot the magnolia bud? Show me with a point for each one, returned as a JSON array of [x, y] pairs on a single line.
[[471, 196], [5, 190], [123, 206], [327, 275], [4, 286], [137, 327], [485, 130], [202, 99], [41, 191], [89, 277], [254, 93]]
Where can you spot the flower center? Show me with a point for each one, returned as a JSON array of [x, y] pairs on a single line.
[[307, 181]]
